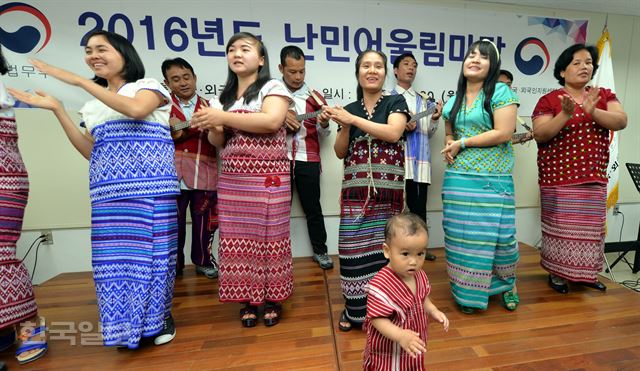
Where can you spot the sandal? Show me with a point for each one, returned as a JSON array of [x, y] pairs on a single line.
[[595, 285], [558, 284], [510, 300], [272, 308], [467, 310], [36, 339], [249, 316], [344, 319]]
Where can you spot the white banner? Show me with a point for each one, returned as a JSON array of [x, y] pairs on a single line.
[[330, 32]]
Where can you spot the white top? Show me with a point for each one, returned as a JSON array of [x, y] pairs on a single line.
[[94, 112]]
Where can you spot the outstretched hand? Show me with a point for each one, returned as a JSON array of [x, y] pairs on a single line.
[[40, 99], [56, 72], [591, 100]]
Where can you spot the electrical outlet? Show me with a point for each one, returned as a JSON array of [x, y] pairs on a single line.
[[48, 237], [616, 209]]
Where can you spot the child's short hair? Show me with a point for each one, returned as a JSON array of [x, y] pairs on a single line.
[[409, 223]]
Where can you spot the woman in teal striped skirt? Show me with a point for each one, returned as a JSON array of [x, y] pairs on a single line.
[[478, 193]]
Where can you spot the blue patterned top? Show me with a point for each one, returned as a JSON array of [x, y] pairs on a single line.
[[130, 158], [496, 160]]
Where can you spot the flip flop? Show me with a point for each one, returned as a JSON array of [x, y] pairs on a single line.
[[40, 344]]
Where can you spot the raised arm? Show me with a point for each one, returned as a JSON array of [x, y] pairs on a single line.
[[138, 107], [545, 127], [81, 141], [613, 118]]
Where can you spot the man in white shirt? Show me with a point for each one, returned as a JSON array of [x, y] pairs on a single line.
[[304, 147]]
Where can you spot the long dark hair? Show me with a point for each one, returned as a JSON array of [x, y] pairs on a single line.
[[359, 93], [486, 49], [4, 66], [133, 69], [230, 91]]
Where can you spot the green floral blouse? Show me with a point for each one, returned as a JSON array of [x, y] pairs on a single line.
[[473, 121]]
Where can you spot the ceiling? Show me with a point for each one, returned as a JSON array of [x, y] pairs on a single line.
[[625, 7]]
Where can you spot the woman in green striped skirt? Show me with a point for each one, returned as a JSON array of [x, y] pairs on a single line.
[[478, 194]]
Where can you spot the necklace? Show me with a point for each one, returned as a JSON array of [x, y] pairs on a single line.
[[584, 93]]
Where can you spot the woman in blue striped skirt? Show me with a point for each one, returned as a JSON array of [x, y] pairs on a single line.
[[478, 194], [132, 184]]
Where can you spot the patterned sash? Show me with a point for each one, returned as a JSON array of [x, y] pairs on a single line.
[[373, 174]]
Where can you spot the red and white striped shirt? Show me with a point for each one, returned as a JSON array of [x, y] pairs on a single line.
[[389, 297], [304, 145]]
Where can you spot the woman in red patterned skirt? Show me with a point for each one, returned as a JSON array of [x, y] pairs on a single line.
[[17, 302], [571, 126], [253, 188]]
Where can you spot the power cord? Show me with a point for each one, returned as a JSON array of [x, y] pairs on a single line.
[[42, 237], [39, 240], [631, 284]]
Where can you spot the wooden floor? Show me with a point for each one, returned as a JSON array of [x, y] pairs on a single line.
[[584, 330]]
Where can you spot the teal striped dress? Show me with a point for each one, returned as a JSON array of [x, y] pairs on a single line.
[[479, 208]]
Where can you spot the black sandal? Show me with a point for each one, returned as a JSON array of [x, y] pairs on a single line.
[[595, 285], [249, 310], [344, 319], [272, 308], [561, 288]]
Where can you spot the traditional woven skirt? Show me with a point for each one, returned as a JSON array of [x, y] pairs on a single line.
[[134, 263], [17, 302], [573, 230], [480, 242], [255, 247], [372, 192]]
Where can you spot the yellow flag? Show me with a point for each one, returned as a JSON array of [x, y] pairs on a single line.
[[604, 79]]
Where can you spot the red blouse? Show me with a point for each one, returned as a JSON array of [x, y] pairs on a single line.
[[579, 153]]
